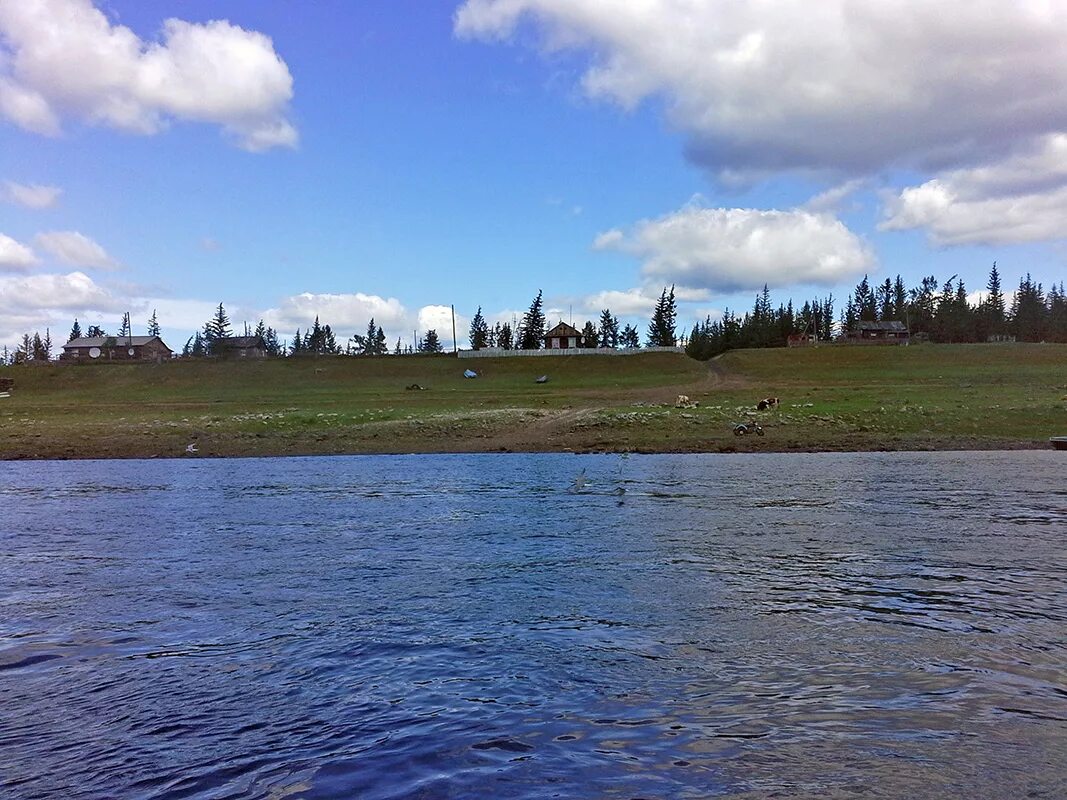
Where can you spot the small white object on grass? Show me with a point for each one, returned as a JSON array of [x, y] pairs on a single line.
[[191, 448]]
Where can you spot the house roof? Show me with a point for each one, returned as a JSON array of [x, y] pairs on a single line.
[[886, 325], [240, 341], [111, 341], [563, 329]]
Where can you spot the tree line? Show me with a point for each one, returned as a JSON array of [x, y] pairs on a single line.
[[934, 311], [940, 312]]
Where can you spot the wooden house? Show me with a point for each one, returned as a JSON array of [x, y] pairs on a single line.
[[90, 349], [885, 332], [239, 347], [562, 337]]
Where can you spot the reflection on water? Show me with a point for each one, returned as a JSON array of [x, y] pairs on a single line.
[[892, 625]]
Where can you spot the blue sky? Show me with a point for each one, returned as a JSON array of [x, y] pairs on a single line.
[[392, 157]]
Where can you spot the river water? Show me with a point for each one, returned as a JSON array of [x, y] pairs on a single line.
[[529, 626]]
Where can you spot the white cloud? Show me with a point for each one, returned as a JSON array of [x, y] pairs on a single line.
[[1018, 199], [631, 302], [730, 249], [15, 256], [439, 318], [853, 85], [75, 249], [31, 303], [31, 195], [63, 58], [74, 292], [344, 313], [832, 198]]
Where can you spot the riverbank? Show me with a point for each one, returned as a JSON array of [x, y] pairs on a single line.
[[950, 397]]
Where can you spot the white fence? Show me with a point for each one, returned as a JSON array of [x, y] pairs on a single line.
[[496, 352]]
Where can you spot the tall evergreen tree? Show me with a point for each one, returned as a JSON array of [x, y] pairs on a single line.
[[125, 329], [589, 335], [479, 331], [75, 331], [95, 331], [993, 313], [1028, 311], [218, 327], [866, 304], [900, 300], [431, 343], [885, 300], [629, 339], [533, 325], [153, 324], [662, 327], [609, 329], [505, 339]]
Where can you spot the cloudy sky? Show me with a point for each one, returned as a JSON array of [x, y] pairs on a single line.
[[389, 158]]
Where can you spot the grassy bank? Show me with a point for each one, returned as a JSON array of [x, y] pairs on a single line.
[[833, 398]]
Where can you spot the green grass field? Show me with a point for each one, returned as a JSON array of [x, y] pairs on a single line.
[[832, 398]]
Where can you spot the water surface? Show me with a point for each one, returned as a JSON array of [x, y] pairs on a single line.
[[891, 625]]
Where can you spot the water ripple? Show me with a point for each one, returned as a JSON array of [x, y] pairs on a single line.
[[484, 626]]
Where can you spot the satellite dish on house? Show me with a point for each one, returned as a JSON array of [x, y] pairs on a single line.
[[131, 352], [94, 352]]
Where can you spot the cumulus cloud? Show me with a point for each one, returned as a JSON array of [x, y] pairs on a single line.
[[1019, 199], [15, 256], [31, 195], [75, 249], [61, 58], [72, 292], [852, 85], [439, 318], [343, 312], [637, 301], [730, 249]]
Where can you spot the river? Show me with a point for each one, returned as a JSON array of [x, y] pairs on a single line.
[[529, 626]]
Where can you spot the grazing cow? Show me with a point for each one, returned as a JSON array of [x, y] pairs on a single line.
[[767, 402]]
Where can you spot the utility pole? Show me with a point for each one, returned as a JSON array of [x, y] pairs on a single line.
[[455, 345]]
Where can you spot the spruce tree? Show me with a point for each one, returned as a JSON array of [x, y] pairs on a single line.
[[661, 328], [125, 329], [629, 338], [609, 329], [218, 327], [533, 325], [75, 331], [95, 331], [431, 343], [153, 324], [589, 335], [505, 339], [479, 331]]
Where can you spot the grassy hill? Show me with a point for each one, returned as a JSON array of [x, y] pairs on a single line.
[[929, 396]]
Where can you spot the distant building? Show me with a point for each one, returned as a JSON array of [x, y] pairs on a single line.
[[239, 347], [800, 340], [89, 349], [563, 336], [885, 332]]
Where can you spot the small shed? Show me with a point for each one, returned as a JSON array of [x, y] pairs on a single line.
[[563, 336], [885, 332], [90, 349], [239, 347]]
